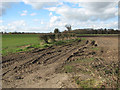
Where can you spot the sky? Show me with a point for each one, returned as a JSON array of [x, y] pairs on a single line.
[[44, 17]]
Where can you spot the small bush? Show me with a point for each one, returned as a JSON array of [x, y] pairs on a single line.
[[58, 36], [52, 37], [44, 38], [59, 43], [19, 49]]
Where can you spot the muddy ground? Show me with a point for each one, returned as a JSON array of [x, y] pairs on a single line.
[[92, 62]]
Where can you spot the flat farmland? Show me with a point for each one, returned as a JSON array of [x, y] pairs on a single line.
[[11, 42], [83, 63]]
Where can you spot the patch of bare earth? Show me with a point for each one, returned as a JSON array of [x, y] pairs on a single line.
[[85, 63]]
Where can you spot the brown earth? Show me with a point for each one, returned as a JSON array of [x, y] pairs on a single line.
[[87, 63]]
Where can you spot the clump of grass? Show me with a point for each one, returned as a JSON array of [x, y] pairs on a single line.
[[86, 83], [83, 38], [91, 59], [78, 82], [19, 49], [59, 43], [68, 69], [95, 48]]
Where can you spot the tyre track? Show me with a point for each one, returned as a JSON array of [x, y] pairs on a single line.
[[50, 57]]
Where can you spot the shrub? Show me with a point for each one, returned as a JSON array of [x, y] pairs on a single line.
[[44, 38], [52, 37], [58, 35]]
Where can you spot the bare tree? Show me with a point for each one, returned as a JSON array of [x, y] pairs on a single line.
[[44, 38], [68, 26]]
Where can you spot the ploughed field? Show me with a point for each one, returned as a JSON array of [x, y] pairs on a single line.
[[84, 63]]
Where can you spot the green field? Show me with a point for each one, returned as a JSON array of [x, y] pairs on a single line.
[[12, 42]]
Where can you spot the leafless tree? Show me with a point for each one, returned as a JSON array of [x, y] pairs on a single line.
[[68, 26]]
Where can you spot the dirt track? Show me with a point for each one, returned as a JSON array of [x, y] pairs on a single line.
[[44, 68]]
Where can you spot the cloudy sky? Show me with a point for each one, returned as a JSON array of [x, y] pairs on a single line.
[[29, 16]]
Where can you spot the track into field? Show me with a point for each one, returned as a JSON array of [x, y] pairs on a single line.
[[39, 68]]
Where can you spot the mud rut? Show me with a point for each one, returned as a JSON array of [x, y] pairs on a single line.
[[45, 60], [37, 68]]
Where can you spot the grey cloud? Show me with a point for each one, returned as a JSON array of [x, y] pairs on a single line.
[[88, 11], [39, 5]]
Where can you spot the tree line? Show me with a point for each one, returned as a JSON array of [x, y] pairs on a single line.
[[67, 34], [96, 31], [76, 31]]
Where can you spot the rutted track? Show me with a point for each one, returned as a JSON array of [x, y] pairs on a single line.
[[41, 68], [24, 64]]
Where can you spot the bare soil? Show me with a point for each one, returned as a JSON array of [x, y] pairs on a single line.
[[87, 63]]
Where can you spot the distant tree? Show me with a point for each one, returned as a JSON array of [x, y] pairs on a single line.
[[68, 26], [1, 32], [56, 30], [112, 31], [105, 31], [15, 32]]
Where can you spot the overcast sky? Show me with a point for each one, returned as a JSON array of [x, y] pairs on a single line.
[[29, 16]]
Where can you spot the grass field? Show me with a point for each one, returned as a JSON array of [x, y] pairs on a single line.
[[12, 42]]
